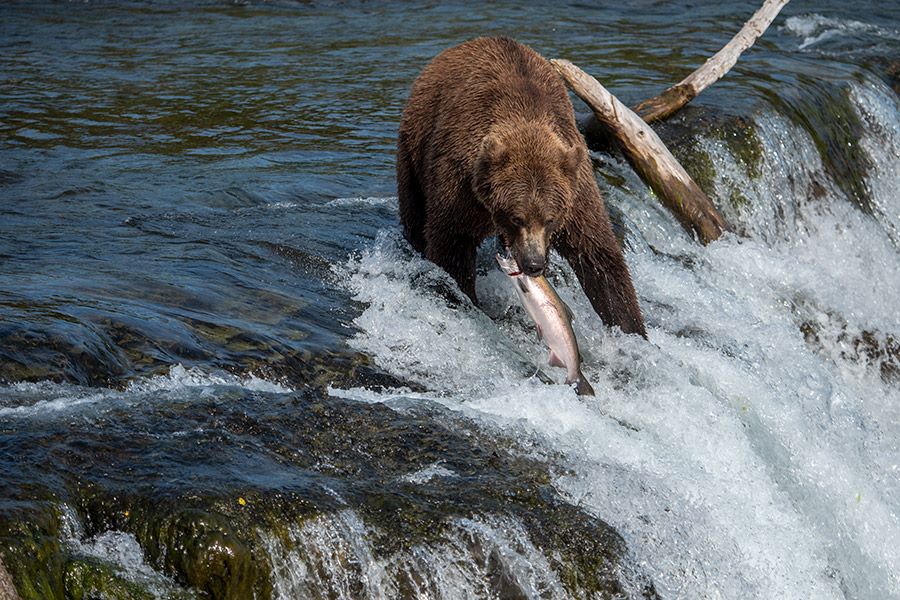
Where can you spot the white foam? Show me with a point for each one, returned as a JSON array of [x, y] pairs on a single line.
[[393, 397], [738, 459], [284, 204], [879, 109], [48, 399], [815, 28], [180, 378], [53, 405], [339, 202], [406, 313], [364, 200], [426, 474], [120, 550], [332, 555]]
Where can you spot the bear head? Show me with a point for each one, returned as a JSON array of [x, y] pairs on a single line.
[[526, 176]]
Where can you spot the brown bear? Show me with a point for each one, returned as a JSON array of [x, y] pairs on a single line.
[[488, 146]]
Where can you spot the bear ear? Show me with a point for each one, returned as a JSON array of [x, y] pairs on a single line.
[[572, 158], [493, 150]]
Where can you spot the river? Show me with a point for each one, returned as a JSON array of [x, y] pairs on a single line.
[[226, 375]]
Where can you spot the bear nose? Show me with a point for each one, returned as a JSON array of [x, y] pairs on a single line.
[[533, 266]]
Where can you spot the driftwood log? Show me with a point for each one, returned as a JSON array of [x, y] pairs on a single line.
[[670, 101], [640, 144], [648, 155]]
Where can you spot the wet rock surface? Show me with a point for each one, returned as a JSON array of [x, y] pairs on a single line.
[[200, 484]]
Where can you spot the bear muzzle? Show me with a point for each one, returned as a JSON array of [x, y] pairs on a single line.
[[531, 252], [533, 265]]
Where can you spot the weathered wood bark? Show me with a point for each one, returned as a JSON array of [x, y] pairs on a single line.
[[7, 590], [671, 100], [648, 155]]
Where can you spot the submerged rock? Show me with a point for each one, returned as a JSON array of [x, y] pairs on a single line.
[[892, 75], [7, 589], [738, 133], [833, 337], [228, 501], [91, 578], [109, 352], [30, 540], [824, 109]]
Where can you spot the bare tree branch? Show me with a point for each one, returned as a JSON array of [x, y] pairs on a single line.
[[649, 156], [671, 100]]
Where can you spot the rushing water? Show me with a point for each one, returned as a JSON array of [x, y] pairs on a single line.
[[227, 375]]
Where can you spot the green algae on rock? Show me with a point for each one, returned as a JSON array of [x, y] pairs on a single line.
[[213, 528]]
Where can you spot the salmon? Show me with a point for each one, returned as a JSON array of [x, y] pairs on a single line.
[[553, 319]]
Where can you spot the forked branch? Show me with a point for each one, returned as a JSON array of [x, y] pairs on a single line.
[[670, 101]]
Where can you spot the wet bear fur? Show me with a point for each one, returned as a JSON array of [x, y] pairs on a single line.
[[488, 146]]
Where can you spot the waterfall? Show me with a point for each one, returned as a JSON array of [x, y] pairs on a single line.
[[749, 449]]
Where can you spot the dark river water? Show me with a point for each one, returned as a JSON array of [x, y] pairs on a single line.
[[223, 373]]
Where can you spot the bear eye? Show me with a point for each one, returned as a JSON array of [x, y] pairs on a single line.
[[551, 224], [517, 221]]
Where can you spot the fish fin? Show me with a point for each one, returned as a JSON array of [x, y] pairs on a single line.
[[568, 310], [556, 361], [522, 285], [582, 387], [540, 333]]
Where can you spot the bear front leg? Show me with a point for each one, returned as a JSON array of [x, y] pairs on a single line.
[[456, 255], [410, 198], [589, 245]]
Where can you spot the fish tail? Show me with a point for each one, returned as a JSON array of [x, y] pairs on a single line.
[[582, 387]]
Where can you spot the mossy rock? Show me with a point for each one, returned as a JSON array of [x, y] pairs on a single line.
[[205, 553], [204, 507], [681, 135], [187, 538], [92, 579], [742, 140], [698, 164], [887, 68], [738, 133], [824, 109], [33, 553]]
